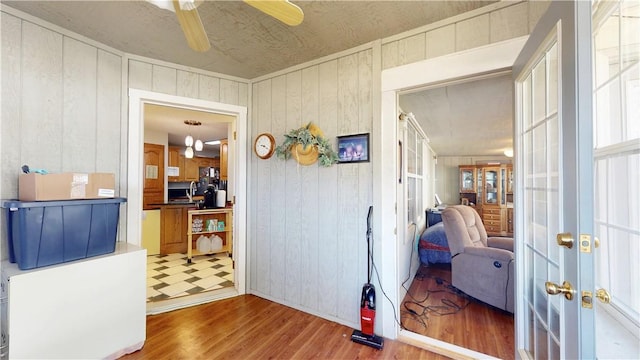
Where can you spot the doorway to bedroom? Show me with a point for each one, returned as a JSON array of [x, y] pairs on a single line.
[[435, 128]]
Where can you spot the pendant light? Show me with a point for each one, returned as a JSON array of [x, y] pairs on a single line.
[[188, 152], [188, 140]]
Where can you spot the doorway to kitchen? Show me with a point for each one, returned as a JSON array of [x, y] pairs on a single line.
[[228, 283]]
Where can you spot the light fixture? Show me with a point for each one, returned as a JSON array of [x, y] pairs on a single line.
[[188, 140], [188, 152], [508, 153], [212, 142]]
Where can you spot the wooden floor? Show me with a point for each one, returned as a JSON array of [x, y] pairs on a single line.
[[249, 327], [435, 309]]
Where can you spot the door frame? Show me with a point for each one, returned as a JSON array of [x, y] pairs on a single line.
[[135, 164], [482, 60]]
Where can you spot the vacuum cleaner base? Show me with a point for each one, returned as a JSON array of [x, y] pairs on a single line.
[[370, 340]]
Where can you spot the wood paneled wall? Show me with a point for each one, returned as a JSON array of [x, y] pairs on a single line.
[[61, 106], [308, 223], [483, 26], [166, 78]]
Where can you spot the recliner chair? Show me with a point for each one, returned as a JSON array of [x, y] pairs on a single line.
[[481, 267]]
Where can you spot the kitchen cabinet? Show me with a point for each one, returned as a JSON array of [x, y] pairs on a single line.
[[176, 159], [151, 231], [224, 156], [199, 221], [191, 169], [153, 191], [173, 234]]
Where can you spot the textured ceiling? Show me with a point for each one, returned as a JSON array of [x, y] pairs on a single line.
[[248, 44], [465, 119], [245, 42]]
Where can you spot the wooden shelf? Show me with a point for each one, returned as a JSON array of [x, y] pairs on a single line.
[[223, 214]]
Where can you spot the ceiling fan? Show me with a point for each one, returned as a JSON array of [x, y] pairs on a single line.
[[191, 24]]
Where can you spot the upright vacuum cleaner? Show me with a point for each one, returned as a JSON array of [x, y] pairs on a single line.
[[368, 303]]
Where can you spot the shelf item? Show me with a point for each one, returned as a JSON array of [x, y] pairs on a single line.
[[209, 232]]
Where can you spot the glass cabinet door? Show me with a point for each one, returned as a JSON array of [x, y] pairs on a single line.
[[467, 180], [509, 179], [491, 186], [503, 185]]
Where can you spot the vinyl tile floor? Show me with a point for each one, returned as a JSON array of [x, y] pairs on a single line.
[[170, 276]]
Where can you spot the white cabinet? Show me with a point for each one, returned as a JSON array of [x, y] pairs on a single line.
[[93, 308]]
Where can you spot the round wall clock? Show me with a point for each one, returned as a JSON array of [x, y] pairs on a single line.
[[264, 146]]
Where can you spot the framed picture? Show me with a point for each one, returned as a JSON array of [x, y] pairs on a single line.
[[353, 148]]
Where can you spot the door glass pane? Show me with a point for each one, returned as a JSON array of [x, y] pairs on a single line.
[[539, 91], [526, 105], [540, 145], [552, 67]]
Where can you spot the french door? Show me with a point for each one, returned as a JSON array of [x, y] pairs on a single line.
[[554, 175]]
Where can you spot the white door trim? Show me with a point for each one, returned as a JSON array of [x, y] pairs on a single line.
[[137, 99], [486, 59]]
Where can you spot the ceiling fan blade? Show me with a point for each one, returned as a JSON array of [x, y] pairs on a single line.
[[282, 10], [192, 27]]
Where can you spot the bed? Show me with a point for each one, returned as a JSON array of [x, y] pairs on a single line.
[[433, 246]]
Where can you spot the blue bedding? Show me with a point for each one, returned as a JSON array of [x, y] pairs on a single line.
[[433, 246]]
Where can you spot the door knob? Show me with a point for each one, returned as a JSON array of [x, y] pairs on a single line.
[[555, 289], [603, 296], [565, 239]]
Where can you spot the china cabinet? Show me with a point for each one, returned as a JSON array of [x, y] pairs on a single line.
[[489, 189]]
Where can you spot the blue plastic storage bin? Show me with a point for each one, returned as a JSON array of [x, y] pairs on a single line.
[[42, 233]]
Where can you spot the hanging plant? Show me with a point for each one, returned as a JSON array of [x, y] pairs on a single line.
[[307, 145]]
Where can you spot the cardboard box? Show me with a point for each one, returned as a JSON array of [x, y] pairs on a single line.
[[66, 186]]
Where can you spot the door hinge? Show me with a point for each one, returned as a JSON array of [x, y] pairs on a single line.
[[234, 135]]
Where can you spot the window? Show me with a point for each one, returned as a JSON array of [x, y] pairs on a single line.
[[415, 143], [616, 74]]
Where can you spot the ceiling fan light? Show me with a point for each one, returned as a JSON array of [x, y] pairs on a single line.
[[188, 141], [199, 145], [188, 152]]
